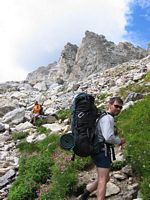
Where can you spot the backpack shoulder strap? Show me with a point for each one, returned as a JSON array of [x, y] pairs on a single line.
[[110, 114], [102, 114], [105, 113]]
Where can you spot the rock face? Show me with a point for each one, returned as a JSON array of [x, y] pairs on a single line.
[[94, 54], [39, 75], [67, 60]]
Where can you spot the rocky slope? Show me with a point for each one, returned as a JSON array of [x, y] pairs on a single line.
[[17, 98]]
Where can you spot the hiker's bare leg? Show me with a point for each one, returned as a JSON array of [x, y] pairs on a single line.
[[91, 187], [34, 120], [103, 178]]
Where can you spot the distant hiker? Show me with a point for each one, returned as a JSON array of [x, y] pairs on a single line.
[[102, 159], [36, 111]]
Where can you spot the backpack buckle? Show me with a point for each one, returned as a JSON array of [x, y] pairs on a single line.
[[81, 114]]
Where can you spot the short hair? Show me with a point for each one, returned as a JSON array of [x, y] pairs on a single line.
[[113, 99]]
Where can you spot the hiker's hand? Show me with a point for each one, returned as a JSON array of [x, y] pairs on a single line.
[[122, 141]]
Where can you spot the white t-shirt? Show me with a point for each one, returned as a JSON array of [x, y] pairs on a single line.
[[105, 128]]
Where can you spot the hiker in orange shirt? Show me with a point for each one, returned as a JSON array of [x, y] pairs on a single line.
[[35, 112]]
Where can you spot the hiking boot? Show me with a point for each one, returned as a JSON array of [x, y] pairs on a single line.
[[84, 196]]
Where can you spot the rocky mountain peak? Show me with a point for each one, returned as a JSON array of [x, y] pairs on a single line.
[[92, 35], [94, 54], [67, 60]]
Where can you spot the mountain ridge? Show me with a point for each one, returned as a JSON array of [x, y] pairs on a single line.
[[94, 54]]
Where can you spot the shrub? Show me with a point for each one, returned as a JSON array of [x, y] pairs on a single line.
[[23, 189], [64, 175], [32, 172], [147, 77], [63, 114], [42, 130], [62, 183], [26, 147], [40, 121], [34, 169], [19, 135], [118, 165], [49, 144]]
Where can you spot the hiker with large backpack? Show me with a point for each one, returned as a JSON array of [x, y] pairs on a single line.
[[102, 158], [93, 134]]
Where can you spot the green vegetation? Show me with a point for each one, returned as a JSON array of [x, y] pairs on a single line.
[[47, 171], [45, 161], [135, 124], [138, 88], [19, 135], [102, 96], [25, 147], [63, 114], [118, 165], [48, 144], [39, 122], [62, 183], [64, 175], [147, 77], [42, 130], [34, 168], [32, 172]]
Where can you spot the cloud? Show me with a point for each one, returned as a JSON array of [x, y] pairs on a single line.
[[143, 3], [34, 32], [145, 6]]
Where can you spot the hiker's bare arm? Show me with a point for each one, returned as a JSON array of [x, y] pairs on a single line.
[[107, 128], [114, 140]]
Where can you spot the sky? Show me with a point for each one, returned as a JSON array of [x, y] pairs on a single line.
[[34, 32]]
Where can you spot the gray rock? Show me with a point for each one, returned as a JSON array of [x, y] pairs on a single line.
[[127, 170], [5, 179], [14, 117], [23, 126], [55, 127], [2, 127], [39, 75], [112, 189], [133, 97]]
